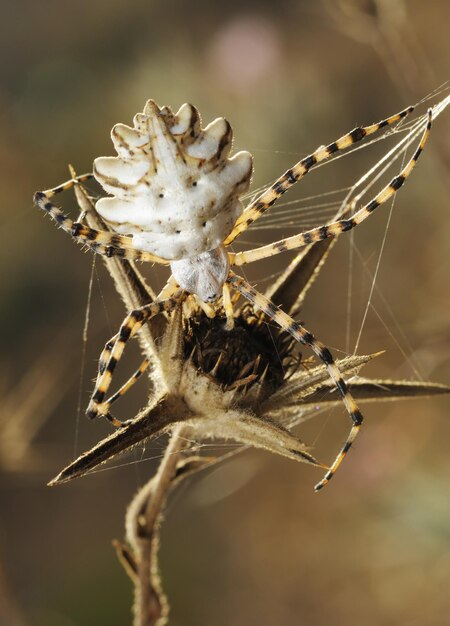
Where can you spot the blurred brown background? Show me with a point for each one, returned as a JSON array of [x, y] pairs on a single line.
[[250, 543]]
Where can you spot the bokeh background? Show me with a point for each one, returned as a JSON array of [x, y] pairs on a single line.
[[249, 543]]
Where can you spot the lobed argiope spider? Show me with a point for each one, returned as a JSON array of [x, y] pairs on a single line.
[[176, 200]]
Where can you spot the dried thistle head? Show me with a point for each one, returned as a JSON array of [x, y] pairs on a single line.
[[251, 353]]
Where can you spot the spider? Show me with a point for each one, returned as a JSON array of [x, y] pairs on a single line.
[[175, 199]]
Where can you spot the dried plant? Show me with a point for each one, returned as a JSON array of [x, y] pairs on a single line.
[[385, 26], [26, 407], [249, 385]]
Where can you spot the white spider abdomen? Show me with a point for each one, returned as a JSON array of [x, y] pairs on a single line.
[[174, 188]]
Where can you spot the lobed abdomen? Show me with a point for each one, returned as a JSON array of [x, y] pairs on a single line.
[[173, 187]]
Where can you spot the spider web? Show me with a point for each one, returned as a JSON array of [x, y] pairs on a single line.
[[306, 212]]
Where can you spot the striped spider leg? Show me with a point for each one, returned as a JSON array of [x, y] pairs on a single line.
[[296, 330], [303, 336], [176, 200], [335, 228], [167, 299], [122, 391], [103, 382], [113, 352], [99, 241], [262, 203], [108, 244]]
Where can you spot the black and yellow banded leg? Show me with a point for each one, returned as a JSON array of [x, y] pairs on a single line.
[[168, 290], [302, 335], [113, 351], [130, 382], [101, 242], [105, 356], [261, 204], [75, 180], [122, 391], [335, 228], [102, 364]]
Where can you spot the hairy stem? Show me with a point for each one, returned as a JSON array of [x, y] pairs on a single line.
[[143, 519]]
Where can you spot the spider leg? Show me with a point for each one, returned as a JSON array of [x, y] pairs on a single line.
[[302, 335], [168, 290], [206, 308], [335, 228], [102, 364], [261, 204], [127, 386], [228, 307], [75, 180], [101, 242], [115, 347]]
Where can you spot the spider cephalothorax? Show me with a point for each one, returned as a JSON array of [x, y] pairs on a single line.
[[176, 200]]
